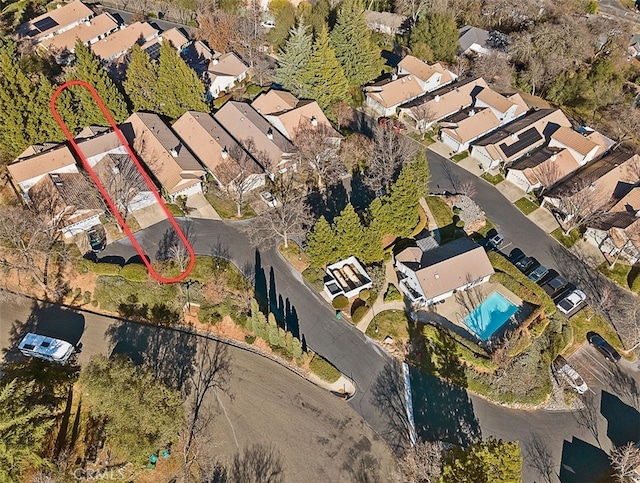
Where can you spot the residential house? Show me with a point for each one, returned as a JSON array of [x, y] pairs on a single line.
[[97, 146], [174, 167], [434, 106], [617, 232], [89, 32], [119, 43], [69, 200], [225, 72], [38, 161], [598, 184], [386, 22], [565, 153], [634, 45], [517, 138], [346, 277], [306, 113], [268, 145], [213, 145], [491, 110], [428, 277], [55, 22], [274, 101], [473, 40], [413, 78], [177, 38]]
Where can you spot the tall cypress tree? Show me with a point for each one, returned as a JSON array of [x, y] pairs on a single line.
[[89, 68], [179, 89], [293, 60], [350, 236], [403, 203], [323, 77], [351, 40], [321, 243], [141, 84]]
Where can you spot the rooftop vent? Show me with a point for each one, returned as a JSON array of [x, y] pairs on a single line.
[[437, 98], [471, 112], [224, 153], [394, 77], [553, 157], [214, 62], [514, 136], [270, 133], [314, 121], [436, 275]]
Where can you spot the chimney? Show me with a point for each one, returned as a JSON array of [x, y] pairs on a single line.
[[554, 157], [514, 136], [394, 77], [270, 133], [224, 153], [314, 121], [214, 62], [471, 112], [437, 98]]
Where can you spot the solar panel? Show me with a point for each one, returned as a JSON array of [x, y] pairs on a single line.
[[526, 139], [45, 24], [153, 51]]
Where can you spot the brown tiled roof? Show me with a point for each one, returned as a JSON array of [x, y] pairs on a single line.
[[154, 142], [424, 71], [228, 64], [97, 26], [290, 121], [123, 40], [391, 93], [59, 18], [448, 267], [175, 37], [473, 126], [41, 164], [574, 140], [274, 101]]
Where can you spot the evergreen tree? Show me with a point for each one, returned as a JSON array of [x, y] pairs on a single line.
[[23, 429], [179, 89], [288, 343], [323, 77], [420, 172], [285, 19], [351, 40], [89, 69], [296, 351], [321, 243], [350, 236], [439, 32], [293, 60], [403, 203], [273, 333], [141, 84], [494, 461]]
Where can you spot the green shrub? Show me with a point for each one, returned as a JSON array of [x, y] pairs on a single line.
[[86, 297], [211, 314], [135, 272], [323, 369], [538, 326], [315, 277], [392, 294], [359, 313], [105, 269], [340, 302], [83, 265], [249, 339], [364, 295]]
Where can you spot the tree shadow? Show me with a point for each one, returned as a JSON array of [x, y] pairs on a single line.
[[361, 194], [626, 387], [583, 462], [168, 354], [329, 203], [112, 259], [257, 463], [623, 421]]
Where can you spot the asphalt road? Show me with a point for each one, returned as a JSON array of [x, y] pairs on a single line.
[[317, 434]]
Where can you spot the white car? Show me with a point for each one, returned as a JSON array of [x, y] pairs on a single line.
[[570, 375], [496, 240], [269, 199], [571, 301], [268, 24]]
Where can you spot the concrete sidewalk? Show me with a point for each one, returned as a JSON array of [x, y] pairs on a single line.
[[379, 305]]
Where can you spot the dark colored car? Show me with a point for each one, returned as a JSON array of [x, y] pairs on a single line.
[[538, 274], [556, 285], [603, 346], [515, 255], [97, 238], [526, 264]]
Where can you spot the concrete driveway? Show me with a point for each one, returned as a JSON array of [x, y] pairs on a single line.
[[201, 208], [149, 215]]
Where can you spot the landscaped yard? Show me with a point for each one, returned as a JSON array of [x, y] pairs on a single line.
[[295, 256], [440, 210], [392, 323], [525, 205], [589, 321], [226, 208], [566, 240], [619, 273], [460, 156], [492, 178]]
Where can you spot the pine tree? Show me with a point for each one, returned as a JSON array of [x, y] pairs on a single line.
[[293, 60], [351, 40], [89, 69], [439, 32], [141, 84], [494, 461], [421, 173], [179, 89], [403, 203], [323, 77], [321, 243], [350, 237]]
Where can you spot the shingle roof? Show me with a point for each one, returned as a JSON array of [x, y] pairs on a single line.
[[290, 121], [390, 93], [469, 35], [97, 26], [41, 164], [55, 20], [424, 71], [495, 100], [65, 190], [274, 101], [630, 202], [574, 140], [119, 170], [123, 40], [473, 126], [228, 64], [176, 37]]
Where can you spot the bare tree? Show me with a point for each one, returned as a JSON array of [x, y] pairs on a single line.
[[121, 179], [623, 119], [467, 188], [589, 414], [495, 69], [342, 113], [421, 463], [424, 116], [390, 152], [547, 173], [237, 175], [578, 208], [218, 29], [540, 457], [316, 146], [625, 460], [355, 150]]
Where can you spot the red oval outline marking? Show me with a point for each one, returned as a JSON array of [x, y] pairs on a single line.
[[103, 191]]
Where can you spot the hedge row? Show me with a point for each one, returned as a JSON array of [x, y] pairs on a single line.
[[324, 369], [524, 288], [134, 272]]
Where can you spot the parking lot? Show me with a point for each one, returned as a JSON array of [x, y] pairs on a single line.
[[596, 371]]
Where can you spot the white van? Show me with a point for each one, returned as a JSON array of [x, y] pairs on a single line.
[[47, 348]]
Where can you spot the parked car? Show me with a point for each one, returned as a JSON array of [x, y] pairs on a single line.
[[268, 24], [526, 264], [603, 346], [269, 199], [496, 240], [554, 286], [396, 125], [47, 348], [571, 301], [97, 238], [515, 255], [538, 274], [562, 368]]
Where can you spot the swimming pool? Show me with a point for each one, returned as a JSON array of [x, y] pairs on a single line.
[[490, 315]]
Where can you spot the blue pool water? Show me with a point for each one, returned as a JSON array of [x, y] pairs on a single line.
[[490, 315]]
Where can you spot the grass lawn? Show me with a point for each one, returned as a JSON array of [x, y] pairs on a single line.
[[618, 273], [460, 156], [440, 210], [587, 321], [494, 179], [226, 208], [390, 322], [323, 369], [112, 291], [525, 205], [174, 209], [295, 256], [567, 240]]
